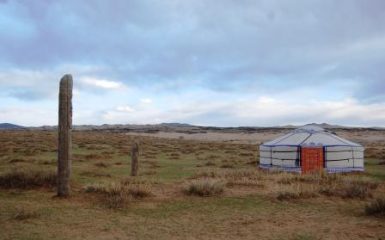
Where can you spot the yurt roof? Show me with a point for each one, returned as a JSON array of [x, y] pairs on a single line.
[[310, 135]]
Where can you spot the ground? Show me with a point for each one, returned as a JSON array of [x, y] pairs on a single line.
[[254, 204]]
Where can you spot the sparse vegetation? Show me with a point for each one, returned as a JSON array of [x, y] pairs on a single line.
[[376, 207], [349, 189], [118, 195], [23, 213], [205, 187], [295, 193], [26, 179], [247, 201], [101, 164]]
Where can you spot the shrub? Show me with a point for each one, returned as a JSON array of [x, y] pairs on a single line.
[[376, 207], [205, 187], [116, 196], [140, 190], [355, 191], [27, 179]]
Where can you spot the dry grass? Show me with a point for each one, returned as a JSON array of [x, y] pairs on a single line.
[[349, 188], [101, 164], [210, 164], [26, 179], [226, 165], [295, 192], [376, 207], [247, 209], [332, 185], [236, 177], [23, 213], [286, 195], [118, 195], [319, 179], [205, 187]]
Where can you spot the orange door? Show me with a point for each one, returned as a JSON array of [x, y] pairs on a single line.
[[312, 159]]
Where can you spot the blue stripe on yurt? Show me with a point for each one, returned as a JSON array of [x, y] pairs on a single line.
[[310, 134], [324, 156], [280, 168], [298, 156], [281, 145], [297, 145], [298, 169], [344, 169]]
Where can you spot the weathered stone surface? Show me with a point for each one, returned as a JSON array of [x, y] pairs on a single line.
[[64, 134]]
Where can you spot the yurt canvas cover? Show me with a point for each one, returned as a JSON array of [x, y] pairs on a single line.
[[312, 148]]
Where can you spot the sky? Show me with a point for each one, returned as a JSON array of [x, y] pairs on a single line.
[[217, 62]]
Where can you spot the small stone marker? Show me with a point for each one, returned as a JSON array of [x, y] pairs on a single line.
[[134, 159]]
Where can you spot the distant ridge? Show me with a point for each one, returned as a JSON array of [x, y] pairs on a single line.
[[176, 125], [10, 126], [189, 128]]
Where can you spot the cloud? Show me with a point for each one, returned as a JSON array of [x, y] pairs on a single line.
[[146, 100], [334, 50], [127, 109], [32, 84], [28, 116], [261, 111], [102, 83]]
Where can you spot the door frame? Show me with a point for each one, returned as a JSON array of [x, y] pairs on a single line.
[[321, 149]]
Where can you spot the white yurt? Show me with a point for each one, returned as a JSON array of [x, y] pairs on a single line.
[[311, 148]]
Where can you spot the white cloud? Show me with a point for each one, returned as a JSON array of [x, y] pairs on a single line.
[[259, 111], [146, 100], [125, 109], [102, 83], [29, 116]]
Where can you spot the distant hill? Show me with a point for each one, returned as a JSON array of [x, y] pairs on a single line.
[[176, 125], [10, 126], [184, 128]]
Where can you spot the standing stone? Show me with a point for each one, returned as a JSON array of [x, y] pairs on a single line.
[[134, 159], [64, 132]]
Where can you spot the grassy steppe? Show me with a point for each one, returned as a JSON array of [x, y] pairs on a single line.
[[254, 204]]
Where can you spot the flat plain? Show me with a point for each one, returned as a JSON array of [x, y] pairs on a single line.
[[190, 186]]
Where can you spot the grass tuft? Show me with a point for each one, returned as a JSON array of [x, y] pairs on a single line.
[[287, 196], [24, 179], [118, 195], [205, 187], [376, 208]]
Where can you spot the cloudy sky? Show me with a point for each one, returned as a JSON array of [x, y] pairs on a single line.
[[217, 62]]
